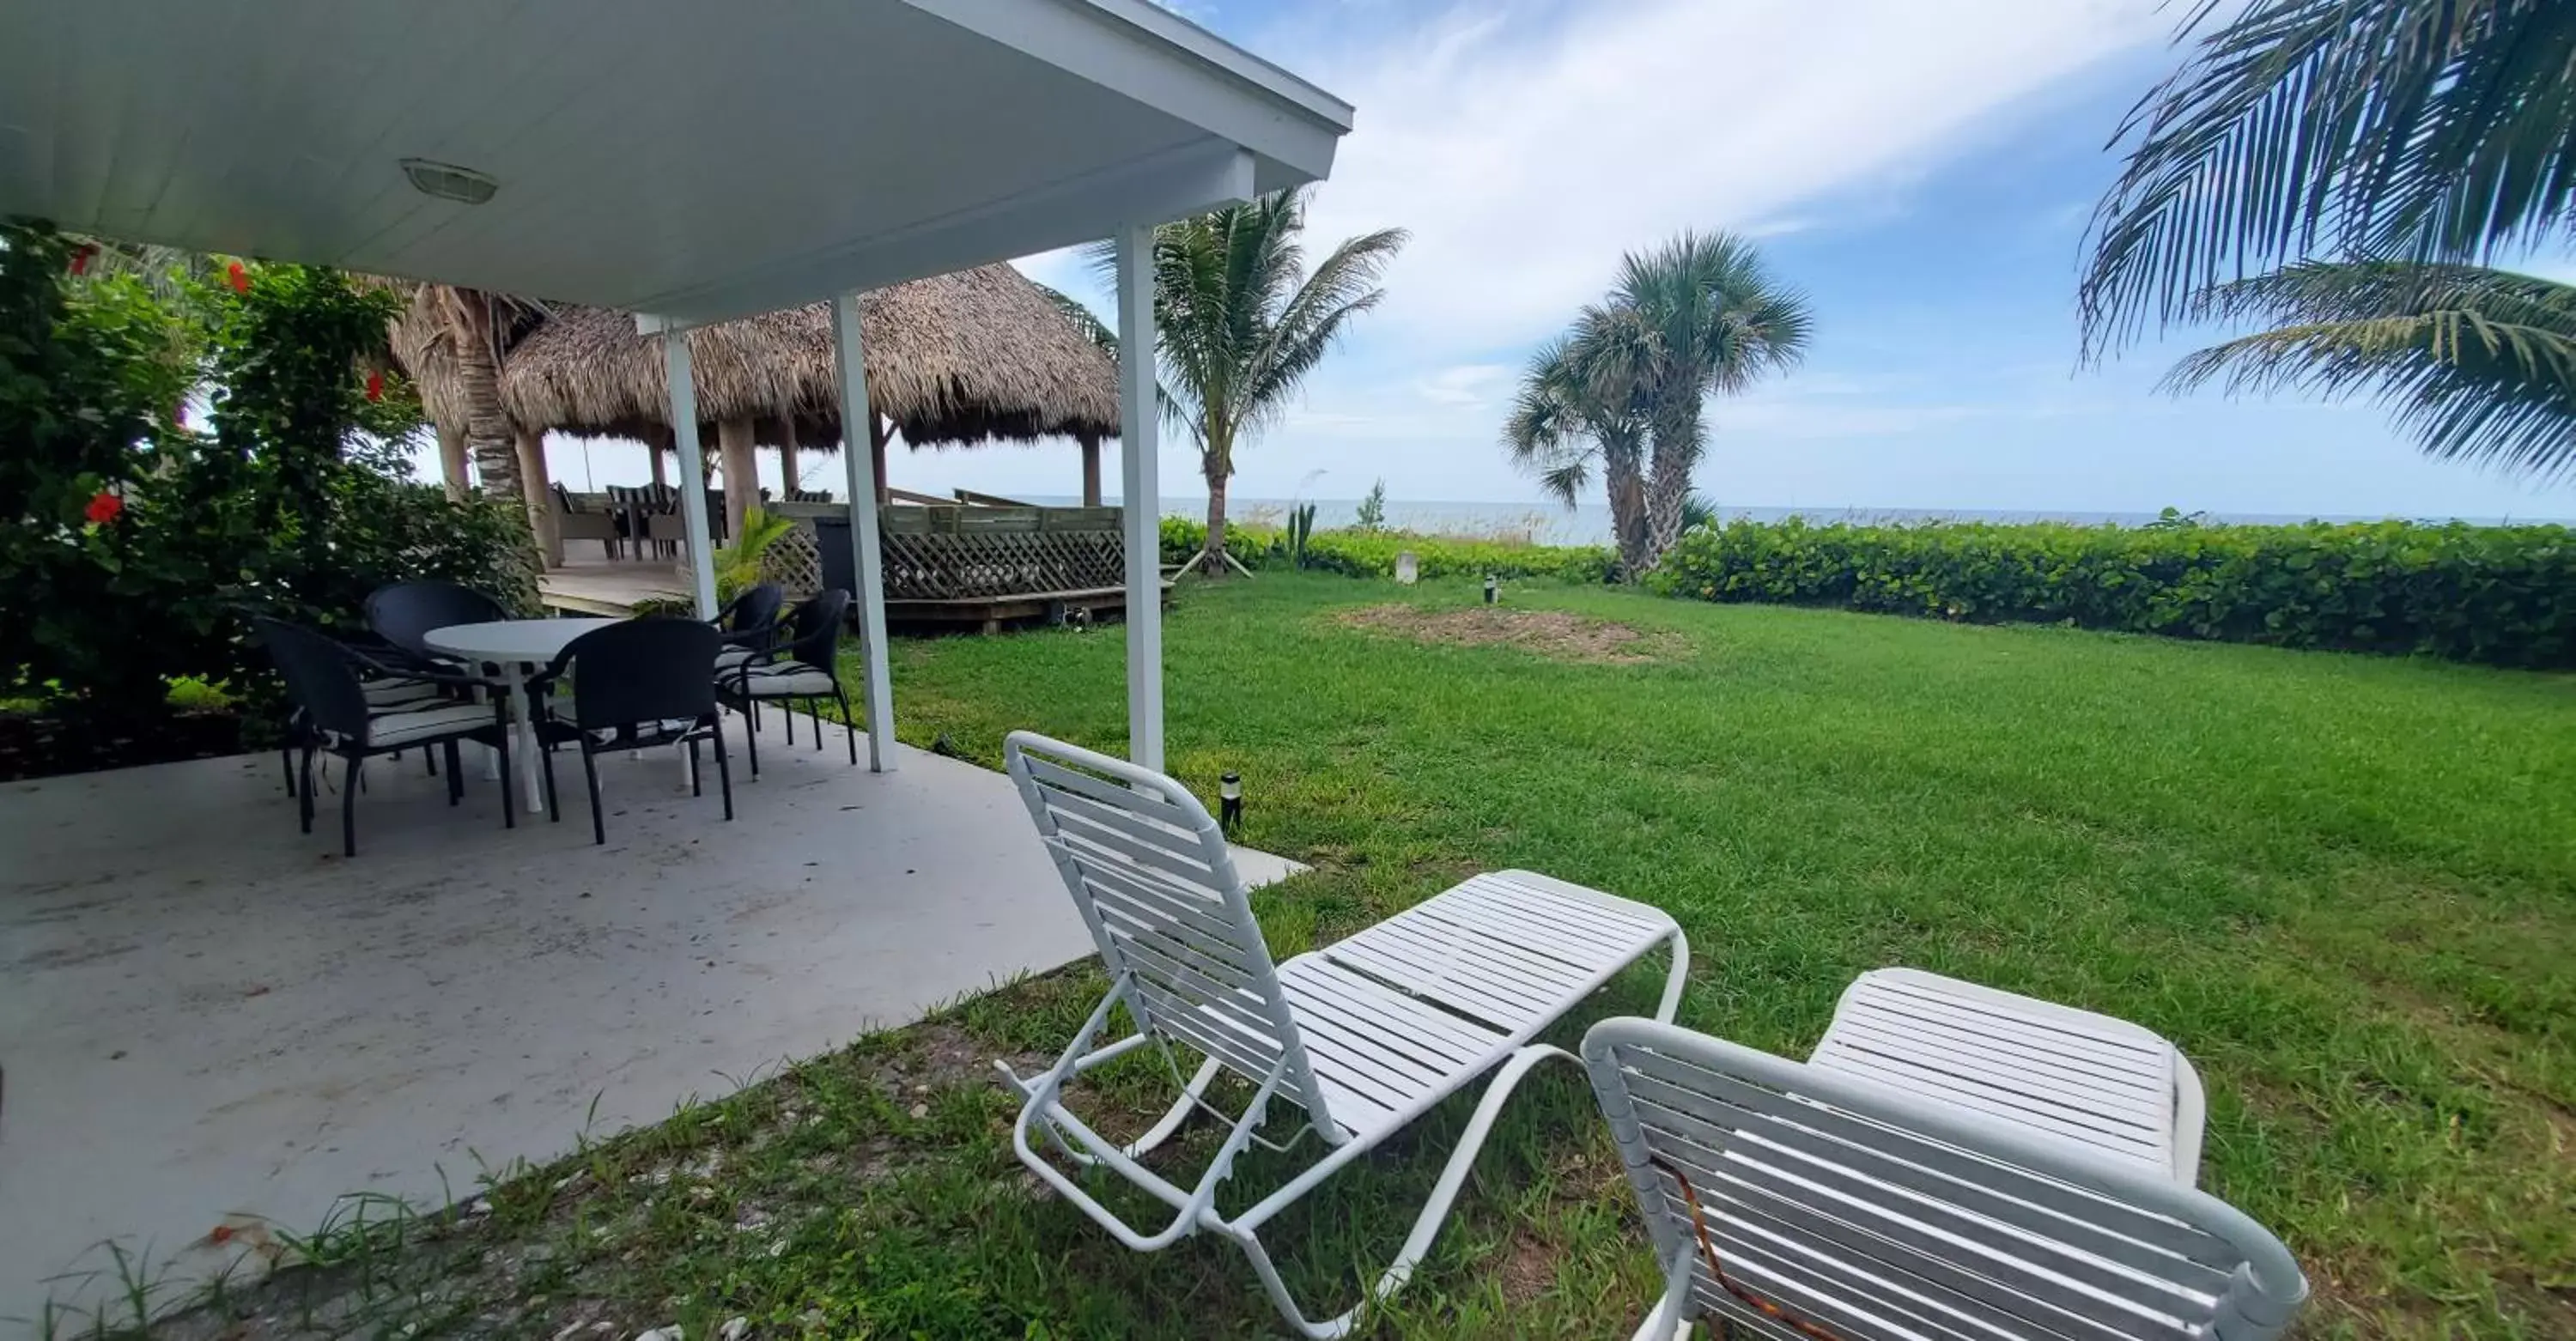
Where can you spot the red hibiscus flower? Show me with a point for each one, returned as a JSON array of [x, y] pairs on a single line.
[[103, 508], [81, 255], [375, 386], [237, 277]]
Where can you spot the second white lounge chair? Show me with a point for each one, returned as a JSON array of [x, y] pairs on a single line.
[[1954, 1162], [1362, 1036]]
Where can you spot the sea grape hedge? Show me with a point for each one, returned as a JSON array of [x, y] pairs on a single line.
[[1356, 553], [2499, 594]]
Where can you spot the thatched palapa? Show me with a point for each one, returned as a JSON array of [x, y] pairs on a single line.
[[953, 359]]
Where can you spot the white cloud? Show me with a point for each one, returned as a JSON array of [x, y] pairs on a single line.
[[1526, 147], [1468, 384]]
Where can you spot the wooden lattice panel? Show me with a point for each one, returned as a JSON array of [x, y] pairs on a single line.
[[1000, 563], [951, 553], [794, 562]]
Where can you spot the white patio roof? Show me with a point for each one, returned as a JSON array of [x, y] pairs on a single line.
[[690, 159]]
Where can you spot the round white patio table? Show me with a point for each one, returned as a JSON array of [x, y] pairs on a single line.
[[517, 646]]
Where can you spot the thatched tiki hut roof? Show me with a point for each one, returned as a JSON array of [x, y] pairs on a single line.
[[957, 358]]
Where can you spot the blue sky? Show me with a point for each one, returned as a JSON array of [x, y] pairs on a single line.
[[1922, 170]]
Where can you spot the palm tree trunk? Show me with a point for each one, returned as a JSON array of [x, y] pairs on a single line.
[[1623, 473], [478, 376], [879, 433], [1215, 565], [741, 472], [786, 455], [1678, 434], [1217, 463], [451, 460], [543, 519], [1671, 488]]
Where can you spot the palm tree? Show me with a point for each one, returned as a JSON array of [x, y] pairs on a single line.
[[2411, 130], [1238, 326], [475, 327], [1700, 314], [2362, 161], [1562, 427], [2479, 364]]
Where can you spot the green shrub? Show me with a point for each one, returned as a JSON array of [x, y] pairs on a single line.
[[1358, 553], [1252, 545], [1372, 554], [2504, 595], [131, 542]]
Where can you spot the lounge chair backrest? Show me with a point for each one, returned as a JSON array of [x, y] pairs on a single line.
[[1866, 1211], [1156, 884]]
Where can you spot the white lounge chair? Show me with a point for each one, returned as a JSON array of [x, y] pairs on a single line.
[[2089, 1078], [1807, 1200], [1362, 1036]]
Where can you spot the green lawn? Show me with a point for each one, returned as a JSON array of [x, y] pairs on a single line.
[[2345, 886]]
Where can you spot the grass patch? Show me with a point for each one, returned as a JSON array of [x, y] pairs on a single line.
[[2346, 886]]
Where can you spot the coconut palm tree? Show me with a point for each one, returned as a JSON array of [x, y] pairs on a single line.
[[2478, 364], [476, 323], [1699, 315], [2344, 140], [1239, 324], [1563, 427], [2415, 130]]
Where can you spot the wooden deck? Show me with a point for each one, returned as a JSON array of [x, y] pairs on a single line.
[[614, 588], [992, 614], [596, 586]]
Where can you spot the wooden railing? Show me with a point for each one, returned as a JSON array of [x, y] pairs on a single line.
[[950, 552]]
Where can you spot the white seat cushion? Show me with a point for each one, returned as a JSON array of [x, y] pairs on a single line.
[[561, 709], [785, 679], [426, 721], [392, 690]]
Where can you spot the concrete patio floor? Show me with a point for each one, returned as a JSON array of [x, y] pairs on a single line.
[[207, 1016]]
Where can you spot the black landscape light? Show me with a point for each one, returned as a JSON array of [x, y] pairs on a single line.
[[1492, 586], [1229, 801]]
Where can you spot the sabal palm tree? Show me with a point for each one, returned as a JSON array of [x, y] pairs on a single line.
[[2479, 364], [1239, 322], [1563, 427], [1697, 316]]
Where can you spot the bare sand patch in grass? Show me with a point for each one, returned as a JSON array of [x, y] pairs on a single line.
[[1554, 634]]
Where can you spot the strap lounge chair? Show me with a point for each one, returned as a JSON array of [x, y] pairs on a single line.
[[1362, 1036], [1884, 1202]]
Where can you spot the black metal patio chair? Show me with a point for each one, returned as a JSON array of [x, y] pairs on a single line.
[[404, 614], [641, 683], [749, 623], [801, 663], [385, 691], [323, 679]]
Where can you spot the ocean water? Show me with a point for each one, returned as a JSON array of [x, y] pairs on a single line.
[[1589, 524]]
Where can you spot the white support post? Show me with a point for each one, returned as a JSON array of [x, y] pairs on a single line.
[[1140, 494], [866, 560], [693, 468]]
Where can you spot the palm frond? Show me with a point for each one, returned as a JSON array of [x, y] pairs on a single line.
[[1559, 430], [2424, 130], [1080, 314], [2478, 365]]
